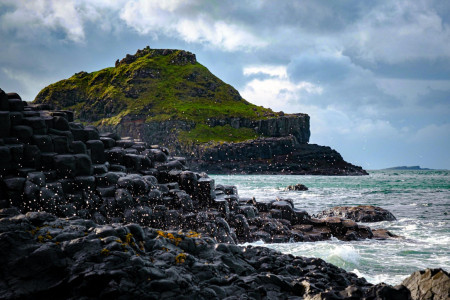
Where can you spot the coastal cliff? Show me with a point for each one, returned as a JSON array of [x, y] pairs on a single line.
[[166, 97]]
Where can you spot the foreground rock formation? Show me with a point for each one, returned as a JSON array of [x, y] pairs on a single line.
[[164, 96], [44, 256]]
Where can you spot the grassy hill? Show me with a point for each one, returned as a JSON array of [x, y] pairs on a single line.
[[156, 85]]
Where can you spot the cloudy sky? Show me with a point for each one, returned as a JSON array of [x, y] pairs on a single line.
[[373, 75]]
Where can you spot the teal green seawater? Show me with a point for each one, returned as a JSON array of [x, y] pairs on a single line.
[[420, 200]]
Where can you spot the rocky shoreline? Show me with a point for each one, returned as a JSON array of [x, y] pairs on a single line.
[[128, 218]]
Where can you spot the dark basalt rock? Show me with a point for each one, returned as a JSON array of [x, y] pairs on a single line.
[[45, 256], [297, 187], [360, 213], [273, 155], [109, 178]]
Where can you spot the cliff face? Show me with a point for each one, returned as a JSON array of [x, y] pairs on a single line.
[[168, 132], [296, 125]]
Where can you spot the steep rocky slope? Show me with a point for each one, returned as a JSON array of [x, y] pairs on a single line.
[[166, 97]]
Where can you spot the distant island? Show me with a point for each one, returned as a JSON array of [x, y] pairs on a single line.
[[407, 168]]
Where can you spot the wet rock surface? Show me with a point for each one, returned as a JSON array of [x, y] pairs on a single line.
[[360, 213], [42, 256]]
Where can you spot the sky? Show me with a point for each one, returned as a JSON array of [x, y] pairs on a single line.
[[374, 76]]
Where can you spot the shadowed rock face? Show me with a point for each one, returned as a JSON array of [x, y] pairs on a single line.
[[278, 155]]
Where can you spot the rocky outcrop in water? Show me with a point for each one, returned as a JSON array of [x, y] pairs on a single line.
[[296, 187], [360, 213]]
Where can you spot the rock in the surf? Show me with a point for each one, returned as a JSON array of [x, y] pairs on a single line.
[[296, 187], [360, 213]]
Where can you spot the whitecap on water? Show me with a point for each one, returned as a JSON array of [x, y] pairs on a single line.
[[343, 255], [358, 273]]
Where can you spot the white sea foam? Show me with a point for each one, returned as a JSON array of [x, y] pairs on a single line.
[[345, 253], [358, 273]]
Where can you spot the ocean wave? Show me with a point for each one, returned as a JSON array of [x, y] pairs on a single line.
[[343, 255]]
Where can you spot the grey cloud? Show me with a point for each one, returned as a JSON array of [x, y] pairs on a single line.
[[435, 98], [344, 83], [434, 69], [319, 68]]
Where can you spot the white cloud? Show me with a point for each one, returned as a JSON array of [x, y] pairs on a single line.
[[228, 37], [271, 70], [430, 133], [31, 16], [179, 19], [276, 92]]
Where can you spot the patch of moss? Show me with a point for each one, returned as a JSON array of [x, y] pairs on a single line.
[[193, 234], [173, 239], [105, 252], [203, 133], [128, 238], [180, 258]]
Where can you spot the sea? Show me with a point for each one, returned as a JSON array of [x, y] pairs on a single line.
[[419, 199]]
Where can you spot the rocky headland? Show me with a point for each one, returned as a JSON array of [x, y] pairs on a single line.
[[89, 215], [165, 97]]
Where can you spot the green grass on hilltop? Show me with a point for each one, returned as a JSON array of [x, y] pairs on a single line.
[[156, 86], [172, 91]]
